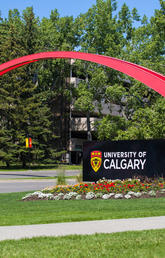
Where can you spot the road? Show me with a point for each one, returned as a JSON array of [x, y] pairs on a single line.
[[10, 180], [10, 186], [36, 173]]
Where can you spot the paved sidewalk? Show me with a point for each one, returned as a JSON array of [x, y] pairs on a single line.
[[83, 228]]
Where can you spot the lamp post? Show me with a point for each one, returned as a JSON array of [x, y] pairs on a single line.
[[89, 135]]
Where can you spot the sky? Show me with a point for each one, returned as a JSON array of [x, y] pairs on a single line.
[[42, 8]]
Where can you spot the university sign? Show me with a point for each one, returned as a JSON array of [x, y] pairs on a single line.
[[123, 159]]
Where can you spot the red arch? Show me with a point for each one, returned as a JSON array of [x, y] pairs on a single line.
[[150, 78]]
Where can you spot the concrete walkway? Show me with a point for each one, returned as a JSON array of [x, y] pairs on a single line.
[[81, 228]]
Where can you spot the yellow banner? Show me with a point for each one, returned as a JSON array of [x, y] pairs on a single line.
[[27, 142]]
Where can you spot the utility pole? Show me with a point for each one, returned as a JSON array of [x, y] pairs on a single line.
[[89, 135], [70, 114]]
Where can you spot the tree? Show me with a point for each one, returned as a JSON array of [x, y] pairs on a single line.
[[146, 123], [28, 116], [138, 104], [58, 33], [11, 47]]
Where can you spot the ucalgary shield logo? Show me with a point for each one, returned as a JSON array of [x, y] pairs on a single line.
[[96, 160]]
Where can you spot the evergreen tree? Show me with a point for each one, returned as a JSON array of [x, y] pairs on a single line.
[[10, 48]]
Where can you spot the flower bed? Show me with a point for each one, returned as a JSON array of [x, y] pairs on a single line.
[[103, 189]]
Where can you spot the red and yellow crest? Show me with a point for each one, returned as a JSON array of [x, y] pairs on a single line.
[[96, 160]]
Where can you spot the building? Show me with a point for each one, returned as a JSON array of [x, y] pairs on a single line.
[[78, 127]]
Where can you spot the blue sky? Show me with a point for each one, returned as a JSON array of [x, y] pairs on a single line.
[[42, 8]]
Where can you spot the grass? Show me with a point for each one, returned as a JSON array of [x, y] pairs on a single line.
[[16, 212], [148, 244]]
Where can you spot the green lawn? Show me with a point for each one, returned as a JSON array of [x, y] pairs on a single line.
[[15, 212], [148, 244]]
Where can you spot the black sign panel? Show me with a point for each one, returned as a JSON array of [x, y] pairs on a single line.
[[123, 159]]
